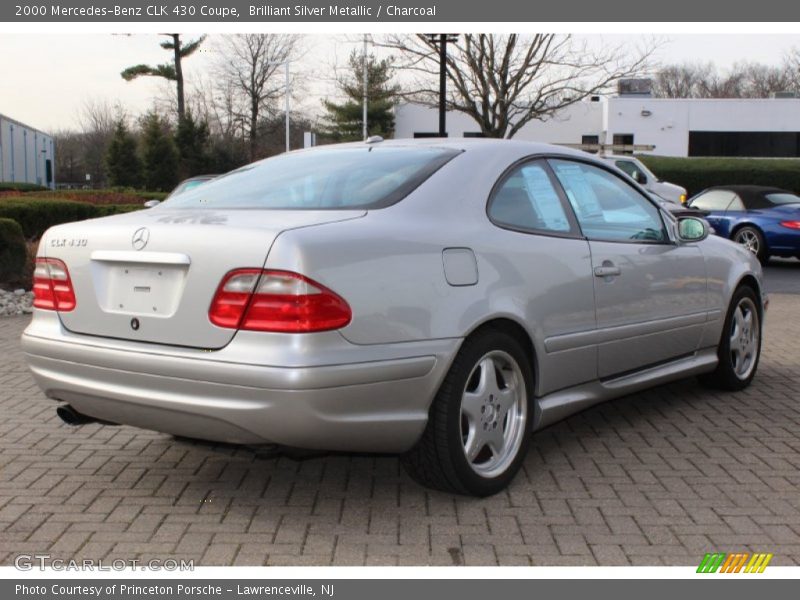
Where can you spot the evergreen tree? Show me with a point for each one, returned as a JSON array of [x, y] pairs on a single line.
[[344, 122], [160, 155], [171, 71], [122, 160], [191, 139]]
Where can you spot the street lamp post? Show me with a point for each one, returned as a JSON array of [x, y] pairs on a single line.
[[286, 102], [441, 40], [285, 64], [366, 75]]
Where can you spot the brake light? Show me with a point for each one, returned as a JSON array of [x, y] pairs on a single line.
[[52, 287], [791, 224], [278, 301]]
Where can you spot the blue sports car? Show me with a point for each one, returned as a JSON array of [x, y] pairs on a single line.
[[765, 220]]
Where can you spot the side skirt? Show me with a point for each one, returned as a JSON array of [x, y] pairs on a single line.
[[563, 403]]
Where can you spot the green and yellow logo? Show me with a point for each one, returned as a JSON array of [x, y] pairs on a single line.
[[740, 562]]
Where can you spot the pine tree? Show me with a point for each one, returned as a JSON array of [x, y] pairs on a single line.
[[191, 139], [122, 160], [344, 122], [160, 155], [171, 71]]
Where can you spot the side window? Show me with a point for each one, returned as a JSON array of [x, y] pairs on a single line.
[[736, 203], [629, 167], [606, 206], [527, 199], [716, 200]]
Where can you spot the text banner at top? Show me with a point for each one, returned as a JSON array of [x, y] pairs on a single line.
[[472, 11]]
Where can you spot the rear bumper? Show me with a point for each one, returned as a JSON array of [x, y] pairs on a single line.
[[358, 405]]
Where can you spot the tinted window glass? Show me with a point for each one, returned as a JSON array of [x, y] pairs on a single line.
[[334, 178], [717, 200], [606, 206], [783, 198], [631, 169], [527, 199]]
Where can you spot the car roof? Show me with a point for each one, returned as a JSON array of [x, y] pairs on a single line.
[[753, 196], [750, 189], [523, 147]]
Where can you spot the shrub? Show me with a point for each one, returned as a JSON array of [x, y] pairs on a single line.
[[10, 186], [112, 196], [697, 174], [35, 216], [13, 251]]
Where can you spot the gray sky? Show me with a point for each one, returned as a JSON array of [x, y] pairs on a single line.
[[46, 79]]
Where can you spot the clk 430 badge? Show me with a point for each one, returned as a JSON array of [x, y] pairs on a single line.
[[68, 242]]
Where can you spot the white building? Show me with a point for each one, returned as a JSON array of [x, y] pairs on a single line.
[[27, 155], [676, 127]]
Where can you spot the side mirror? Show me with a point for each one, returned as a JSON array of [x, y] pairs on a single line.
[[152, 203], [640, 177], [692, 229]]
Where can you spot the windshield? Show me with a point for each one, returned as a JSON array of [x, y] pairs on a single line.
[[330, 178], [783, 198], [187, 185]]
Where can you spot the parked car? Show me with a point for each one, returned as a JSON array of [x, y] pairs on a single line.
[[190, 184], [636, 169], [183, 186], [765, 220], [677, 209], [439, 299]]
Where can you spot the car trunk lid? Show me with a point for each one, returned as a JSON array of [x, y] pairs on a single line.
[[150, 276]]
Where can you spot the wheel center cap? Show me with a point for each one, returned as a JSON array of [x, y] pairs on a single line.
[[491, 412]]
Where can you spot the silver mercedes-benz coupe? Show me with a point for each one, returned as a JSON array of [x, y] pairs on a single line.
[[439, 299]]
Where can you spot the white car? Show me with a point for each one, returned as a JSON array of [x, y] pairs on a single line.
[[633, 167]]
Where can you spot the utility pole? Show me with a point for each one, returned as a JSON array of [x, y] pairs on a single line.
[[441, 40], [366, 83], [286, 103]]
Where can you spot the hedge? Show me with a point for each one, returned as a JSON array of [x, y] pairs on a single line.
[[697, 174], [99, 196], [13, 251], [35, 216], [11, 186]]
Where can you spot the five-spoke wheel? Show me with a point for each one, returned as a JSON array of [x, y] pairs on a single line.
[[479, 424]]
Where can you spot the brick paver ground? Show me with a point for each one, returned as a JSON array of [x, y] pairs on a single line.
[[656, 478]]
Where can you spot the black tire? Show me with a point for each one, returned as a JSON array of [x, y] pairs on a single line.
[[753, 240], [726, 376], [439, 459]]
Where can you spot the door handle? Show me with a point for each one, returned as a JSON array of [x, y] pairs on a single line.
[[607, 271]]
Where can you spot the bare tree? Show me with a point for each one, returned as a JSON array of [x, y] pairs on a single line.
[[251, 76], [681, 80], [98, 121], [791, 64], [505, 81], [171, 71], [705, 80], [69, 161]]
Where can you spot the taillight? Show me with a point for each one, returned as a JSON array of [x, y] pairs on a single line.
[[791, 224], [52, 287], [278, 301]]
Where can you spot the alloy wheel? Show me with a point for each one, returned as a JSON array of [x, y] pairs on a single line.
[[749, 239], [494, 409], [744, 338]]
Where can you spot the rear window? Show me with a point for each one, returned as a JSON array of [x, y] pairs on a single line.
[[783, 198], [335, 178]]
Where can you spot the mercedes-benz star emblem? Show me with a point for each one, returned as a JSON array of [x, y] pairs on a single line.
[[140, 238]]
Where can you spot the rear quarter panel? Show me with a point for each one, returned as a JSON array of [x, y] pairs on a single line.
[[388, 267]]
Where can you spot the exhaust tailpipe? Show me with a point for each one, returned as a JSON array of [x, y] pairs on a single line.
[[70, 416]]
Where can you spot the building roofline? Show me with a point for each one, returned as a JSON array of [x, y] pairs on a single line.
[[21, 124]]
